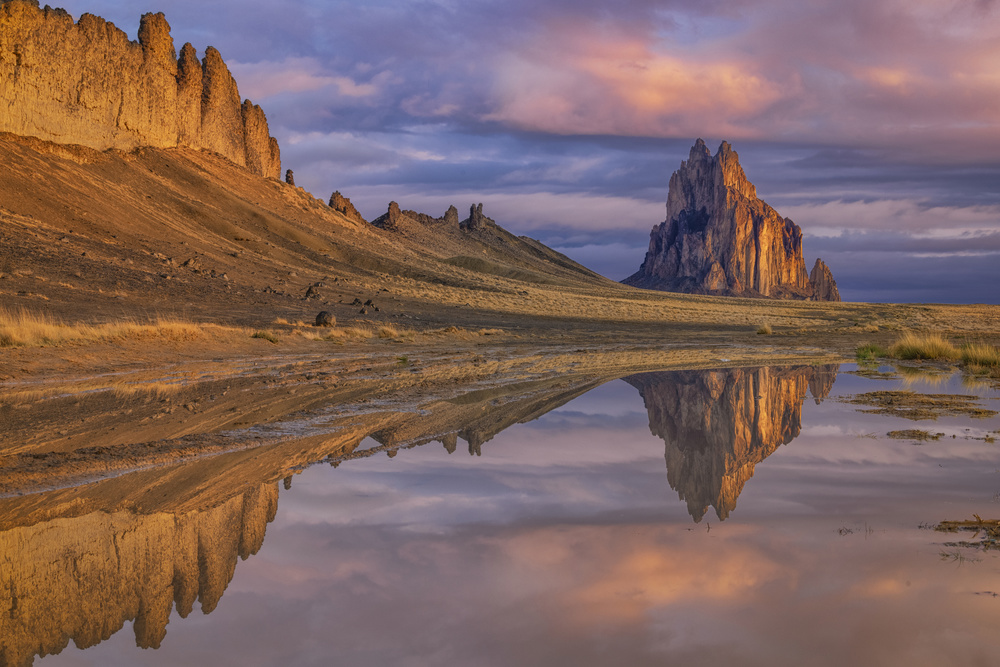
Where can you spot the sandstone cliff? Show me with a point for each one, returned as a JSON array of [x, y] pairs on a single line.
[[719, 238], [86, 83], [717, 425]]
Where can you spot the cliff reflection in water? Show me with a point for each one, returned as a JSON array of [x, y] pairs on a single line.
[[83, 578], [717, 425]]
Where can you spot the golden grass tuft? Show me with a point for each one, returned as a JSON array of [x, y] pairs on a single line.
[[765, 330], [388, 331], [980, 355], [265, 335], [923, 346], [23, 329]]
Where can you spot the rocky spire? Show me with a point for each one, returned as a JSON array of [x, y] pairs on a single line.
[[720, 238], [823, 284]]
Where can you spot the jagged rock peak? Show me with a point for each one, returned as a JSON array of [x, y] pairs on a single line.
[[86, 83], [476, 219], [720, 238], [823, 284], [343, 205], [393, 218], [390, 219]]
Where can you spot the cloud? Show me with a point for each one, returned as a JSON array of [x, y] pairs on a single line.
[[296, 75]]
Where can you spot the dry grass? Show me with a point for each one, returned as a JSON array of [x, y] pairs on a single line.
[[266, 335], [980, 355], [23, 329], [923, 346], [765, 330], [388, 331]]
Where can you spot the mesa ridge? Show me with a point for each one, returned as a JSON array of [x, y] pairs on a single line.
[[60, 77]]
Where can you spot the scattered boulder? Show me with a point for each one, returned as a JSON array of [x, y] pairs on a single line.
[[356, 302], [312, 292], [325, 319]]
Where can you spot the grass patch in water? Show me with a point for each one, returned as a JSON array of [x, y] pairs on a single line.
[[917, 406]]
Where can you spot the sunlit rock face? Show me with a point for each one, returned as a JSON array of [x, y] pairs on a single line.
[[86, 83], [719, 238], [83, 578], [717, 425]]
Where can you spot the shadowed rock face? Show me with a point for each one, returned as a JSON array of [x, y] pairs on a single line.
[[83, 578], [719, 238], [824, 286], [717, 425], [343, 205], [86, 83]]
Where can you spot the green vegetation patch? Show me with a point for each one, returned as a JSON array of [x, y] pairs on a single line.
[[916, 406], [871, 352]]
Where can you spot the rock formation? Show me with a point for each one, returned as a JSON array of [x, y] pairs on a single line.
[[719, 238], [824, 286], [343, 205], [476, 219], [717, 425], [390, 219], [394, 216], [87, 83], [290, 177]]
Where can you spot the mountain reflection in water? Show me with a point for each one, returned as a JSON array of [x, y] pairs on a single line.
[[717, 425], [364, 548]]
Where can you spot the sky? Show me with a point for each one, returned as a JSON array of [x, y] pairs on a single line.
[[873, 124]]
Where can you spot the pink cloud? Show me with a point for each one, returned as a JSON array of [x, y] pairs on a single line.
[[886, 72]]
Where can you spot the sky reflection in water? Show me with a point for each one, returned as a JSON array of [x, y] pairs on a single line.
[[563, 543]]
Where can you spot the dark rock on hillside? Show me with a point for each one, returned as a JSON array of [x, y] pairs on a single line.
[[390, 219], [719, 238], [343, 205], [476, 219]]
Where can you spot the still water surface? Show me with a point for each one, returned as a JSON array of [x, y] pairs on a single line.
[[744, 516]]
